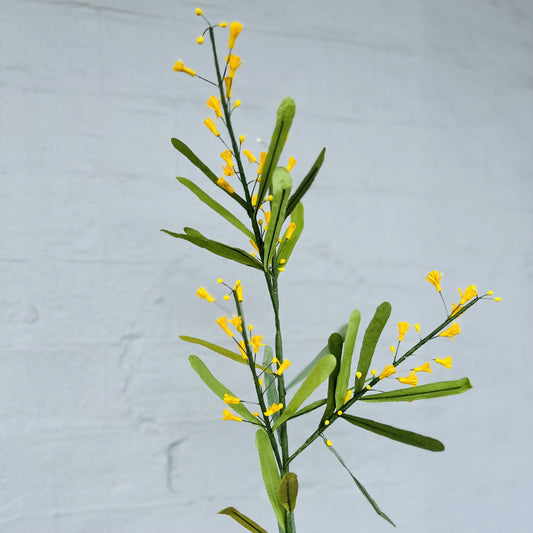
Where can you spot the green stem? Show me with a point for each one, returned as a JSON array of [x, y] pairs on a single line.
[[376, 380]]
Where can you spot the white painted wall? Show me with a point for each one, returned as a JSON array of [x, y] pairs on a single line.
[[426, 109]]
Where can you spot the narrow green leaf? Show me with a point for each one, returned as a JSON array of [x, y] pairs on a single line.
[[372, 333], [270, 381], [213, 204], [218, 388], [346, 363], [305, 372], [281, 188], [217, 248], [234, 356], [243, 520], [269, 470], [361, 488], [288, 491], [195, 160], [400, 435], [310, 407], [288, 245], [318, 374], [284, 118], [422, 392], [335, 348], [306, 183]]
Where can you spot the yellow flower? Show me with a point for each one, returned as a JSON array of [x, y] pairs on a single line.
[[250, 156], [348, 396], [455, 308], [286, 364], [434, 278], [411, 379], [268, 214], [255, 341], [237, 103], [238, 290], [236, 321], [180, 67], [234, 62], [227, 415], [252, 242], [234, 30], [202, 293], [211, 127], [262, 159], [389, 370], [402, 329], [290, 230], [423, 368], [226, 155], [221, 182], [452, 331], [417, 327], [242, 349], [224, 325], [228, 170], [469, 293], [291, 164], [447, 362], [214, 103], [274, 408], [392, 348], [231, 399], [228, 82]]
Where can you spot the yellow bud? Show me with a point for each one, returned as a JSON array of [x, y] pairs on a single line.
[[220, 280], [490, 292], [198, 11], [497, 299], [358, 375], [226, 297], [392, 349], [237, 103], [234, 30], [326, 422], [417, 327], [373, 372], [260, 381], [250, 327], [180, 67], [241, 139], [339, 413], [328, 442], [200, 39], [282, 261], [223, 24], [368, 387], [270, 198]]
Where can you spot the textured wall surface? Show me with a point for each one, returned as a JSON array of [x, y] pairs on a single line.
[[426, 109]]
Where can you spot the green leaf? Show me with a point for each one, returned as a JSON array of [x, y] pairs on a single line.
[[270, 381], [335, 348], [372, 333], [213, 204], [310, 407], [360, 487], [188, 153], [400, 435], [217, 248], [306, 183], [288, 491], [281, 188], [305, 372], [422, 392], [288, 245], [243, 520], [284, 119], [234, 356], [346, 363], [318, 374], [269, 470], [212, 382]]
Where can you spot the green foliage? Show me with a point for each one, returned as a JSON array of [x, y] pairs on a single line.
[[400, 435], [422, 392], [270, 473], [372, 334], [242, 519], [318, 374], [288, 245], [335, 348], [213, 204], [288, 491]]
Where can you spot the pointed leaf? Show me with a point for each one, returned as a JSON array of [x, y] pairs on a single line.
[[212, 382], [243, 520], [423, 392], [288, 245], [188, 153], [305, 372], [361, 488], [335, 348], [284, 119], [346, 363], [288, 491], [234, 356], [217, 248], [213, 204], [269, 470], [310, 407], [400, 435], [306, 183], [281, 188], [320, 372], [372, 333], [270, 381]]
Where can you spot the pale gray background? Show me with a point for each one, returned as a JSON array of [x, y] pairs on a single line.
[[426, 109]]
